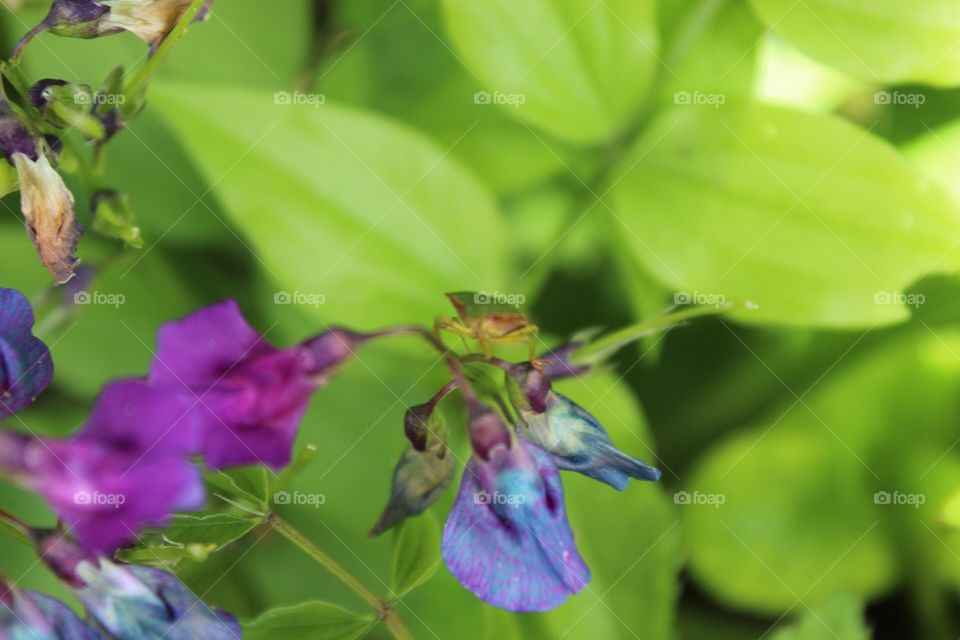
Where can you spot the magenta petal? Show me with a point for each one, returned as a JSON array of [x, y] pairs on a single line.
[[106, 496], [130, 415], [196, 350], [515, 551]]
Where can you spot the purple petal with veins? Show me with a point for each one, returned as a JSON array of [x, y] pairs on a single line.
[[507, 538]]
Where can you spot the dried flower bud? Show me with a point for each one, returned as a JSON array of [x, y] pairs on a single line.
[[48, 212]]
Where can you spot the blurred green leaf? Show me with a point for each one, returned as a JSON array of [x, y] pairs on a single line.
[[773, 517], [365, 203], [710, 48], [770, 205], [951, 511], [384, 70], [874, 40], [578, 69], [937, 154], [839, 618], [416, 553], [308, 621]]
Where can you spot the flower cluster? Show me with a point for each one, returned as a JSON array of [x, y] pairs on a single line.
[[218, 392], [507, 538], [216, 389], [34, 123]]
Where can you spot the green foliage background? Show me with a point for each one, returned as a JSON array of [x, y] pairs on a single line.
[[618, 184]]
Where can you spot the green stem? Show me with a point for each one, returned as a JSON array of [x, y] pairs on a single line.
[[139, 81], [598, 351], [384, 611]]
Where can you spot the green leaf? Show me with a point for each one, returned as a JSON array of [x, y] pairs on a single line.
[[416, 553], [308, 621], [361, 207], [770, 205], [874, 40], [950, 515], [250, 483], [384, 71], [839, 618], [214, 530], [937, 154], [710, 48], [576, 68], [787, 511]]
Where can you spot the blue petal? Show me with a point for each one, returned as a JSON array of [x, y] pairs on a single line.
[[518, 556], [578, 442], [25, 365]]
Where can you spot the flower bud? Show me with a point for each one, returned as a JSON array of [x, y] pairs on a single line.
[[486, 428], [67, 105], [330, 350], [527, 387], [47, 207], [113, 217]]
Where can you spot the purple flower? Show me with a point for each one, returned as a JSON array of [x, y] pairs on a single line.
[[125, 470], [250, 394], [26, 614], [25, 364], [507, 538], [136, 603]]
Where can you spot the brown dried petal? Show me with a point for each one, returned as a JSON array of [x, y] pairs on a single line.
[[48, 211]]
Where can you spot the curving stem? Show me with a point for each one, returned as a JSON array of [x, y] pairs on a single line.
[[385, 611]]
